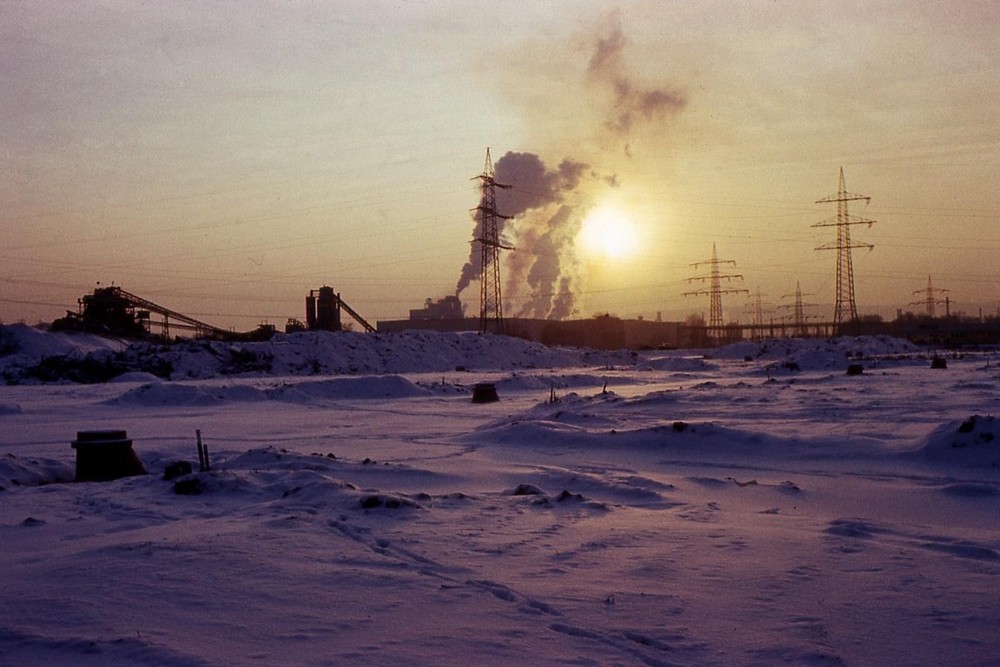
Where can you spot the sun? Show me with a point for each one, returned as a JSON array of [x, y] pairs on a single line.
[[608, 233]]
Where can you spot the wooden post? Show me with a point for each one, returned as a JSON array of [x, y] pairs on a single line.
[[202, 453]]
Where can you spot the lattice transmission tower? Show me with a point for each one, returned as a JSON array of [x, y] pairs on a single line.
[[846, 309], [930, 301], [490, 298], [798, 312], [757, 308], [758, 313], [715, 290]]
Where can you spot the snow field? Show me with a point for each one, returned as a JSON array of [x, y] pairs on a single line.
[[681, 511]]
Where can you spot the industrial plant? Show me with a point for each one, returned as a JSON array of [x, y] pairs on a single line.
[[117, 312]]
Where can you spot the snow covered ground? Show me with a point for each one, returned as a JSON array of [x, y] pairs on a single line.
[[665, 509]]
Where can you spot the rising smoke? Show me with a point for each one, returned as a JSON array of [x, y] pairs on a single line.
[[547, 206], [629, 103], [538, 199], [547, 229]]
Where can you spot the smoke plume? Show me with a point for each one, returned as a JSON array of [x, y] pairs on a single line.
[[629, 102], [544, 206], [547, 206], [473, 269]]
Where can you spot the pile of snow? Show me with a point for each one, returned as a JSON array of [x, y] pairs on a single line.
[[134, 377], [578, 431], [35, 356], [819, 354], [16, 471], [366, 387], [23, 347], [678, 364], [293, 481], [179, 394], [26, 342], [165, 395], [29, 355], [972, 442]]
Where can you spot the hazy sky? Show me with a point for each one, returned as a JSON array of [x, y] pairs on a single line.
[[224, 158]]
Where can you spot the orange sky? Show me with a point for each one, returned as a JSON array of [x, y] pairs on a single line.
[[223, 159]]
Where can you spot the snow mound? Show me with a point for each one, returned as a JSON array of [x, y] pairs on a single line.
[[536, 497], [607, 422], [277, 481], [328, 353], [595, 381], [368, 387], [30, 355], [134, 376], [571, 410], [973, 442], [597, 489], [158, 394], [678, 364], [22, 342], [819, 354], [573, 432], [162, 394], [15, 471]]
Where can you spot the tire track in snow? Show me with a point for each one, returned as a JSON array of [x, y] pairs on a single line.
[[621, 643], [383, 547], [431, 568], [857, 531], [635, 646]]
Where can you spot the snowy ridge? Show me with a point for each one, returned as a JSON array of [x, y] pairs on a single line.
[[177, 394], [28, 355]]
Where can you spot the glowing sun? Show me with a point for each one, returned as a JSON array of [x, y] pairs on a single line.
[[608, 233]]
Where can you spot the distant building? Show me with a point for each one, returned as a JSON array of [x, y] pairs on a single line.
[[608, 333], [448, 308]]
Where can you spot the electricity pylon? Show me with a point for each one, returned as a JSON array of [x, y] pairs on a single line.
[[758, 315], [757, 308], [715, 290], [929, 301], [490, 298], [799, 313], [846, 308]]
